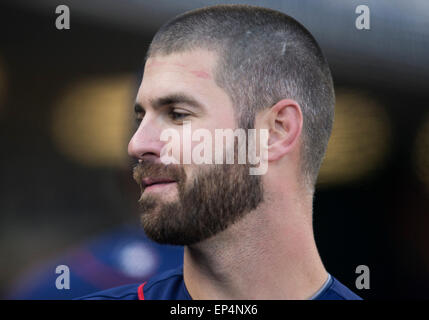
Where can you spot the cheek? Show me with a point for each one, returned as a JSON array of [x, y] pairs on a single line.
[[180, 145], [194, 143]]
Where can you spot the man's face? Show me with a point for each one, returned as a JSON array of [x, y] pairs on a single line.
[[186, 203]]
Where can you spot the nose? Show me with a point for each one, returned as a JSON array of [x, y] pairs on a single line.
[[145, 144]]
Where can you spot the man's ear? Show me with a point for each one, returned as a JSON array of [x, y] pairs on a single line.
[[284, 121]]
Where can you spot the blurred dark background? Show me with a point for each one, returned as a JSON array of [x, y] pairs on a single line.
[[66, 108]]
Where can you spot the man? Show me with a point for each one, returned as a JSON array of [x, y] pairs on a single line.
[[246, 236]]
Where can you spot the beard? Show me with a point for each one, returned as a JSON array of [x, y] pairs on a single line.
[[216, 197]]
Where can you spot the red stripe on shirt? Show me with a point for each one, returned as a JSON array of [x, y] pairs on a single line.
[[140, 291]]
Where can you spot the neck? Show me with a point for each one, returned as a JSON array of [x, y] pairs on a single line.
[[269, 254]]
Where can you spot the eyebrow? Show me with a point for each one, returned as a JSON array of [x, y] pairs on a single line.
[[169, 99]]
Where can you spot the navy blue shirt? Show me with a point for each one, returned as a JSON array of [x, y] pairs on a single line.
[[121, 256], [170, 286]]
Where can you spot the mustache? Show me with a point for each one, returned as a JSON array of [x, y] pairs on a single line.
[[148, 169]]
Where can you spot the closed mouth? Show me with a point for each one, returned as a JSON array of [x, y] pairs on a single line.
[[147, 182]]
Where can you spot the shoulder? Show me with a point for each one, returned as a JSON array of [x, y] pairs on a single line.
[[337, 291], [127, 292], [168, 285]]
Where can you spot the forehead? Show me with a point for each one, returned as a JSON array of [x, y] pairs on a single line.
[[190, 72], [198, 63]]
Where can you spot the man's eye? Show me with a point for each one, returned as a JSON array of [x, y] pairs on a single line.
[[174, 115]]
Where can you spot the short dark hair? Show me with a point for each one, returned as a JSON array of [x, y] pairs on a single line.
[[263, 56]]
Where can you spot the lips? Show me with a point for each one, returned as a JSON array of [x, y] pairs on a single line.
[[147, 182]]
